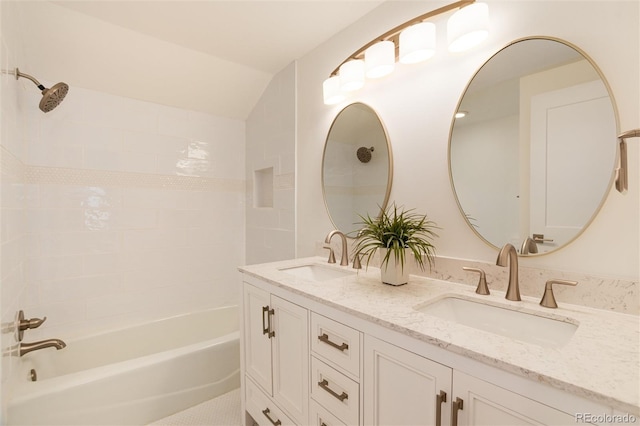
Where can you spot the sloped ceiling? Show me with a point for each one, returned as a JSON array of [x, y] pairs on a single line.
[[211, 56]]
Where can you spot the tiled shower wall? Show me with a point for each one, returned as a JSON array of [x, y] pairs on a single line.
[[134, 211], [271, 129], [13, 230]]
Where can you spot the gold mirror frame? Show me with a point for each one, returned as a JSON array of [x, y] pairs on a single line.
[[613, 138], [389, 163]]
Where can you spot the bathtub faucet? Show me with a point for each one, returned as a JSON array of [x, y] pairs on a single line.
[[25, 348]]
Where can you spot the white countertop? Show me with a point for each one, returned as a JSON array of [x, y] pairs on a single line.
[[600, 362]]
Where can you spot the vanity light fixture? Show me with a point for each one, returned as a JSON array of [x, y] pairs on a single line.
[[409, 43], [622, 179]]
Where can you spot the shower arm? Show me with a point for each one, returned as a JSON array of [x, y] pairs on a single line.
[[622, 182], [27, 76]]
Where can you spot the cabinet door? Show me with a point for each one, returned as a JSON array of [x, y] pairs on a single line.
[[257, 351], [487, 404], [402, 388], [291, 358]]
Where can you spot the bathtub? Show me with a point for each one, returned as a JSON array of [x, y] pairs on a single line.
[[132, 376]]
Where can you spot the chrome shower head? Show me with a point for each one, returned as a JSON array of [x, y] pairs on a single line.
[[52, 97], [364, 154]]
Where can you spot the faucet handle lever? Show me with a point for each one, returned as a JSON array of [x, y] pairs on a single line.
[[26, 324], [332, 255], [548, 300], [482, 288]]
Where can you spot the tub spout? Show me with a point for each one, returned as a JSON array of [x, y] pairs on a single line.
[[25, 348]]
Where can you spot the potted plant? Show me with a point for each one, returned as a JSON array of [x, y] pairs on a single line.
[[397, 233]]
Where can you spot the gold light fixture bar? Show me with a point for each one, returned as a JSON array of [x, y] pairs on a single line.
[[394, 33]]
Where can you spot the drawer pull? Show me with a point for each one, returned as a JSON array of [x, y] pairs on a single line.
[[266, 414], [266, 329], [455, 407], [325, 385], [440, 398], [324, 338]]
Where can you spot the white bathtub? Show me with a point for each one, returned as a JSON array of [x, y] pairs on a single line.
[[131, 376]]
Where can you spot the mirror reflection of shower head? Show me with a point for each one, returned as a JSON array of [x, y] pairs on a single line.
[[51, 97], [364, 154]]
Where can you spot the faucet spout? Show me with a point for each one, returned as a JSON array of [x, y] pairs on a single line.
[[25, 348], [344, 260], [508, 254]]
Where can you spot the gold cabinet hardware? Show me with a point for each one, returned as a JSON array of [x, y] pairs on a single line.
[[440, 398], [325, 338], [324, 384], [455, 407], [266, 414], [266, 328]]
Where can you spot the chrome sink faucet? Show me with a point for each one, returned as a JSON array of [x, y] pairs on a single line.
[[25, 348], [508, 253], [345, 256]]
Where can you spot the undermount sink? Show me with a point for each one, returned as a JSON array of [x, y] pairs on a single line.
[[522, 326], [316, 272]]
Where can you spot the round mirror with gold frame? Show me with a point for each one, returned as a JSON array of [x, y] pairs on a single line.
[[357, 167], [532, 149]]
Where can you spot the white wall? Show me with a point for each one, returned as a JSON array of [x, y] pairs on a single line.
[[416, 103], [271, 145]]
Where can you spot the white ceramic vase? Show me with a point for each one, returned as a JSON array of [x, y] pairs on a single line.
[[393, 273]]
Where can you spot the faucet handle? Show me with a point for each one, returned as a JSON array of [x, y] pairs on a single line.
[[548, 300], [482, 288], [356, 261], [26, 324], [332, 255]]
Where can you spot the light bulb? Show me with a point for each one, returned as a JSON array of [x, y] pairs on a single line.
[[380, 59], [417, 43], [331, 91], [351, 75], [468, 27]]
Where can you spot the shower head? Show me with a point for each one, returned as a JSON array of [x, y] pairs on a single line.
[[52, 97], [364, 154]]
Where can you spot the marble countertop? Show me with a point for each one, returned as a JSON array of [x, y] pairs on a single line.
[[600, 362]]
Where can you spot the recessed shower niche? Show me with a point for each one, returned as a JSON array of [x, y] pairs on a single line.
[[263, 187]]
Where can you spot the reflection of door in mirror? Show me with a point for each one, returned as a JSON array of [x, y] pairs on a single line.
[[536, 152], [567, 123], [356, 169]]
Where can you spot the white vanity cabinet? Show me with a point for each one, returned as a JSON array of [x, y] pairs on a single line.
[[402, 388], [276, 358], [306, 362], [482, 403]]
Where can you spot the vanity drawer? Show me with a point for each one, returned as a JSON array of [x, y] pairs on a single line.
[[336, 343], [319, 416], [336, 392], [262, 409]]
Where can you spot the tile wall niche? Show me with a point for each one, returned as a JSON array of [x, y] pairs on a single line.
[[271, 172], [134, 211]]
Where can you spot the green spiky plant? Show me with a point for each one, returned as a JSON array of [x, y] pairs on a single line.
[[396, 229]]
